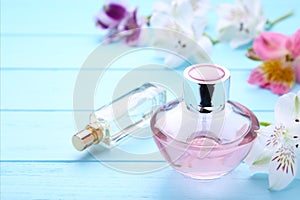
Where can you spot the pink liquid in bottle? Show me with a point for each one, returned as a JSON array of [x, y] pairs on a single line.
[[208, 139]]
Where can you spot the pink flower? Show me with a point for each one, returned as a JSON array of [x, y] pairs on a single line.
[[297, 68], [270, 46], [293, 44], [274, 75], [121, 21], [281, 61]]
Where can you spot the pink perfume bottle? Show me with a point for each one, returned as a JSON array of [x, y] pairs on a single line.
[[203, 135]]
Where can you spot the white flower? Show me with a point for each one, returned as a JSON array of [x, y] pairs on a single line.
[[241, 22], [277, 149], [199, 7], [180, 16]]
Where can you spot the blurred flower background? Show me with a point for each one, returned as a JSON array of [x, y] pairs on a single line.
[[239, 24]]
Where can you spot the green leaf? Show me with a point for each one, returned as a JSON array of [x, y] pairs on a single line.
[[262, 123], [263, 161], [297, 105]]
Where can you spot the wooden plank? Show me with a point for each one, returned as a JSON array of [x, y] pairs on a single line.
[[70, 53], [28, 180], [44, 52], [47, 136], [54, 89]]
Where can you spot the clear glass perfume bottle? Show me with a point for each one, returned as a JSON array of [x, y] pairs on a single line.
[[128, 113], [204, 135]]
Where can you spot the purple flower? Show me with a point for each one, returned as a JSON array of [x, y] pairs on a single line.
[[133, 27], [121, 21], [112, 14]]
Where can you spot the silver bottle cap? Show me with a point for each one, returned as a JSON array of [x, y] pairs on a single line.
[[206, 87]]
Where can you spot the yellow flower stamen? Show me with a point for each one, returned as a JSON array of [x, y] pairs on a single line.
[[278, 71]]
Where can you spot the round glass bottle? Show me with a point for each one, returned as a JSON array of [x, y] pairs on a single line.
[[203, 135]]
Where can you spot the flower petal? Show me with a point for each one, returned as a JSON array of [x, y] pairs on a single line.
[[227, 11], [173, 61], [200, 7], [293, 44], [144, 38], [162, 20], [297, 68], [241, 22], [207, 46], [275, 75], [257, 77], [198, 26], [259, 159], [103, 21], [232, 35], [255, 7], [262, 150], [297, 152], [241, 40], [287, 109], [282, 168], [270, 45], [115, 11], [279, 88], [182, 12], [181, 19]]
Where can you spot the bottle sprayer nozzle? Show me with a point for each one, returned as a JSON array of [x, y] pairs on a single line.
[[92, 134], [82, 140]]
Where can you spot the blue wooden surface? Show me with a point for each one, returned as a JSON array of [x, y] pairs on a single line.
[[43, 45]]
